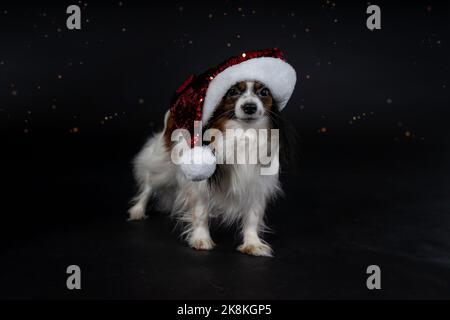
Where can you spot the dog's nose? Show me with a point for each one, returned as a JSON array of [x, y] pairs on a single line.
[[249, 108]]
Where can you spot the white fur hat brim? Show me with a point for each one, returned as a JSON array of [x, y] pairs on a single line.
[[278, 75]]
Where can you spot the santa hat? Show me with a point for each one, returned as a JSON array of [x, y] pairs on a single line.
[[198, 97]]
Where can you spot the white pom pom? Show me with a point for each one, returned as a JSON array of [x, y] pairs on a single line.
[[198, 163]]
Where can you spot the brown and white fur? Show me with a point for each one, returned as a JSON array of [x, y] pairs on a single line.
[[236, 193]]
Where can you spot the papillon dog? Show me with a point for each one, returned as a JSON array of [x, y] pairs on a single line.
[[237, 193]]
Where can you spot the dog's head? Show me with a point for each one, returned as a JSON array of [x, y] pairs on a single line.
[[246, 101]]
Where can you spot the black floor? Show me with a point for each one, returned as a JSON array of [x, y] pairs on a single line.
[[343, 211]]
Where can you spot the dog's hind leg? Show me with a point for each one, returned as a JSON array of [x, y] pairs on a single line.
[[137, 211]]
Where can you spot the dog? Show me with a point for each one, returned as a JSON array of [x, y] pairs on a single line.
[[234, 194]]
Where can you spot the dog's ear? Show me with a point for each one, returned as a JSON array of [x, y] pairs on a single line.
[[289, 140]]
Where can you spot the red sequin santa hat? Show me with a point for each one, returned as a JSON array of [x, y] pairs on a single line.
[[198, 97]]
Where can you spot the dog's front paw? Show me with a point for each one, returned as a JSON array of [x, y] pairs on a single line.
[[201, 243], [200, 239], [256, 249], [137, 212]]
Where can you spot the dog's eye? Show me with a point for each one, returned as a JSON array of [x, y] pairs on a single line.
[[232, 92], [264, 92]]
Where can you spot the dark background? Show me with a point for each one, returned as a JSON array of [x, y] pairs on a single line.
[[370, 185]]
